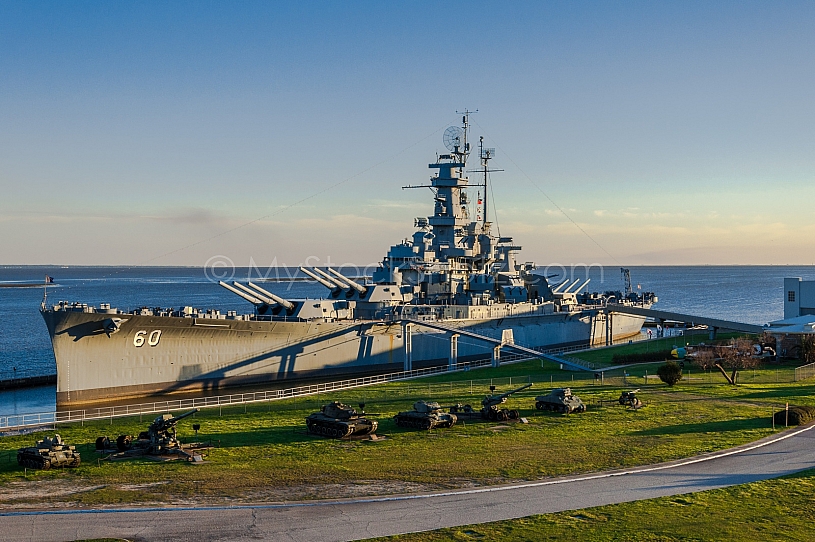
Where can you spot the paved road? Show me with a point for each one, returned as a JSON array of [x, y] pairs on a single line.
[[354, 519]]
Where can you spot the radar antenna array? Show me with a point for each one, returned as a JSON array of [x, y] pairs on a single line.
[[453, 138]]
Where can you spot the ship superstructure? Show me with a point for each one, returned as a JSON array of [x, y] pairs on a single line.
[[453, 270]]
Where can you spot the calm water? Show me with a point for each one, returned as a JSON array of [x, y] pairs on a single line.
[[750, 294]]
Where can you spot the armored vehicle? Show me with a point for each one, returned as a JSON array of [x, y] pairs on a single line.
[[159, 439], [490, 407], [560, 400], [425, 415], [629, 398], [49, 452], [336, 420]]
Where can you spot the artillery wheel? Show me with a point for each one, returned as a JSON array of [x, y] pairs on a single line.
[[45, 464], [539, 405], [514, 414], [123, 442]]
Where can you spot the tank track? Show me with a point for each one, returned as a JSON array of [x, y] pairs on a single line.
[[329, 429], [426, 424], [554, 407]]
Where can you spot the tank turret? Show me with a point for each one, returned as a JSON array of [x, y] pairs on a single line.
[[336, 420], [425, 415], [560, 400]]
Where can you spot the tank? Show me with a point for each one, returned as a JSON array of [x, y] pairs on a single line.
[[336, 420], [560, 400], [425, 415], [49, 452]]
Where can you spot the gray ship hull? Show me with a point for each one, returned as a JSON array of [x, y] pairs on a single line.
[[158, 355]]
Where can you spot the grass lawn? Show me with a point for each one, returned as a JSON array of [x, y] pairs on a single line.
[[779, 509], [263, 453]]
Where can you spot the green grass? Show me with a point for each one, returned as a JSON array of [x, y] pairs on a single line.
[[263, 453], [779, 509]]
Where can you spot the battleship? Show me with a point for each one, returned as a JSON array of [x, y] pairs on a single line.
[[454, 273]]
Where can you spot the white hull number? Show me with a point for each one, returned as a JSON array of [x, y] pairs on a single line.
[[152, 339]]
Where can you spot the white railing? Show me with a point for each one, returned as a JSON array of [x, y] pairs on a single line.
[[805, 371]]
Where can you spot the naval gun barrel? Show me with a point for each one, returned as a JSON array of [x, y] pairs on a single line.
[[252, 293], [337, 282], [582, 286], [570, 286], [250, 298], [288, 305], [557, 288], [358, 287], [329, 285]]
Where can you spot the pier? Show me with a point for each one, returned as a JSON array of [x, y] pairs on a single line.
[[714, 324]]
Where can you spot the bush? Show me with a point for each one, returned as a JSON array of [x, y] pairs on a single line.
[[670, 373], [644, 357], [798, 415]]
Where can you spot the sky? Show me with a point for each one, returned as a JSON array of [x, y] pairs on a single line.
[[630, 133]]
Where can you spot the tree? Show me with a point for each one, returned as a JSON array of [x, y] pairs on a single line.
[[670, 373], [808, 348]]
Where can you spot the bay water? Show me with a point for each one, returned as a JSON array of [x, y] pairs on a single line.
[[751, 294]]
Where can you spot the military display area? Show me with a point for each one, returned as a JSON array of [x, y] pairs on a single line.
[[263, 452]]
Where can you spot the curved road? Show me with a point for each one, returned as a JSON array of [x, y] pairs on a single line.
[[353, 519]]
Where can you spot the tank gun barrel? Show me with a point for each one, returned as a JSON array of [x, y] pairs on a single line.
[[356, 286], [329, 285], [288, 305]]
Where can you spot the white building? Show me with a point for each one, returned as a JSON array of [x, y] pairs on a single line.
[[799, 298]]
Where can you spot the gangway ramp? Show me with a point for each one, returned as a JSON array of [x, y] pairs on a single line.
[[498, 342], [713, 323]]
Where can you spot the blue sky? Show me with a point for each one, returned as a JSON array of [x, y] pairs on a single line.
[[154, 133]]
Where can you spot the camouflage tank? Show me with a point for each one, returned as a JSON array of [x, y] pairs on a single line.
[[425, 415], [560, 400], [49, 452], [336, 420]]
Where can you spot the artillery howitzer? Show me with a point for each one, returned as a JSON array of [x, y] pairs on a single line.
[[159, 439], [336, 420], [48, 452], [425, 415], [490, 407], [560, 400], [629, 398]]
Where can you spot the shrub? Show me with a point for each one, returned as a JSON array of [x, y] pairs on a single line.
[[644, 357], [670, 373], [798, 415]]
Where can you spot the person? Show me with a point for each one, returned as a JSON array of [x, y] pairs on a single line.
[[649, 333]]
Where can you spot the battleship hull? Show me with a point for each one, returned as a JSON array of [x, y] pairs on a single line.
[[160, 355]]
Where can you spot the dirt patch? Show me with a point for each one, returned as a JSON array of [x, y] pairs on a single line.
[[42, 489]]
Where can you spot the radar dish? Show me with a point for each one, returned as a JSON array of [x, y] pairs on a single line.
[[452, 138]]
